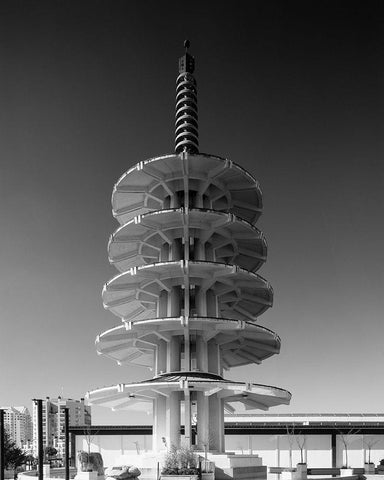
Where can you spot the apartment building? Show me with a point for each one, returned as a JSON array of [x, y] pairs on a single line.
[[18, 423], [54, 421]]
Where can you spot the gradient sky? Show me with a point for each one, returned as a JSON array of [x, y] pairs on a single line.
[[292, 91]]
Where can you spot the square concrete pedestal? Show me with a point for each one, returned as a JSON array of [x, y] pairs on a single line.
[[87, 476], [238, 467]]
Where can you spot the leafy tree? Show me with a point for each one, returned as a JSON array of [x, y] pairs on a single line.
[[13, 456], [49, 452], [30, 460]]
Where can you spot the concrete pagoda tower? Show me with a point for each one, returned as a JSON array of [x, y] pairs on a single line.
[[187, 294]]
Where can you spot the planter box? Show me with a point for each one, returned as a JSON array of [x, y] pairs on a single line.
[[46, 470], [369, 468], [301, 471], [288, 473], [208, 476], [179, 477], [346, 472], [86, 476]]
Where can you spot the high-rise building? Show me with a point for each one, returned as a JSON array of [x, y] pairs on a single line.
[[18, 423], [54, 421]]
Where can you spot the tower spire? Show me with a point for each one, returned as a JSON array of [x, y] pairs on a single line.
[[187, 129]]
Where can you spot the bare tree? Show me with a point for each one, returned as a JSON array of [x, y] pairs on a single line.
[[300, 440], [291, 439], [370, 443], [89, 436], [346, 441]]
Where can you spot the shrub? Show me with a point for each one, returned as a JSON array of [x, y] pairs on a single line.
[[181, 461]]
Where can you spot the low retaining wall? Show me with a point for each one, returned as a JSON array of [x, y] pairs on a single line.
[[54, 474]]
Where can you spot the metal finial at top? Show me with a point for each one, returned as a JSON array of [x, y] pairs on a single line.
[[186, 62], [186, 135]]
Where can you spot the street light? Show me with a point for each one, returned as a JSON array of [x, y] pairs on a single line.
[[40, 452]]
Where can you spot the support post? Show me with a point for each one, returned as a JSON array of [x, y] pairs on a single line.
[[187, 417], [66, 426], [333, 448], [40, 451], [2, 445], [173, 419]]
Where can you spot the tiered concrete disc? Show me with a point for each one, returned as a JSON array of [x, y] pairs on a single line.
[[240, 294], [188, 294], [232, 239], [241, 343], [123, 396], [219, 184]]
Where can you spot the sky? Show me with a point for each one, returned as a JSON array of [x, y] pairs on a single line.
[[291, 91]]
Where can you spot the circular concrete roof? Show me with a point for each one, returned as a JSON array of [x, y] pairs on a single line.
[[253, 396], [227, 186], [241, 343], [232, 239], [241, 295]]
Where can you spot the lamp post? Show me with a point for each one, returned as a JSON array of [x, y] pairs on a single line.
[[2, 445], [66, 426], [40, 451]]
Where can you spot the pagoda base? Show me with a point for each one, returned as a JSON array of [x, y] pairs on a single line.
[[88, 476], [238, 467]]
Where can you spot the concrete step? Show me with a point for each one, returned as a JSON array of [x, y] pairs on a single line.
[[241, 473]]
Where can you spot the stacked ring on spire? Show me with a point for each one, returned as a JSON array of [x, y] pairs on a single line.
[[186, 133]]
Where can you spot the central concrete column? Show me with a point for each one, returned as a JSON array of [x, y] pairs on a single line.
[[164, 253], [162, 304], [211, 304], [159, 422], [209, 253], [201, 354], [213, 357], [177, 249], [174, 302], [199, 250], [173, 419], [161, 357], [216, 424], [200, 302], [187, 417], [202, 420], [173, 355]]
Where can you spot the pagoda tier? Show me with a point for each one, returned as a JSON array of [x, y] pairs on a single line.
[[240, 343], [187, 293], [206, 395], [210, 182], [216, 289], [229, 238]]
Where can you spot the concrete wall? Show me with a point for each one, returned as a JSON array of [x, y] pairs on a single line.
[[274, 449], [112, 447]]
